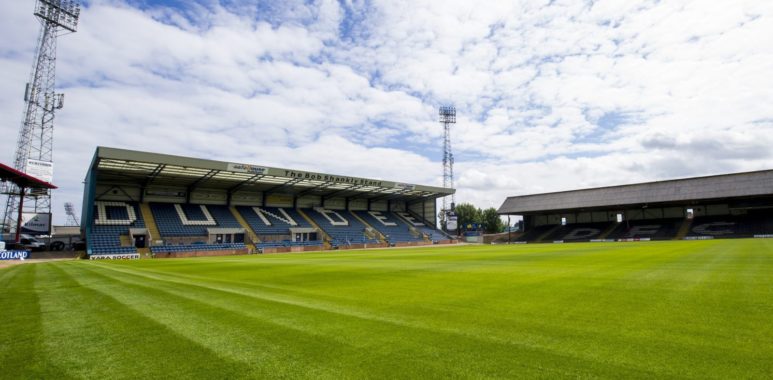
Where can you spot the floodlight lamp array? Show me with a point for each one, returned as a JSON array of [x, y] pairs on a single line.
[[448, 114], [62, 13]]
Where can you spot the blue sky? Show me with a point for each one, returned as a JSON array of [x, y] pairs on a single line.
[[551, 95]]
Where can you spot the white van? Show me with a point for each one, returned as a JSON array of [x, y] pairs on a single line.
[[25, 242]]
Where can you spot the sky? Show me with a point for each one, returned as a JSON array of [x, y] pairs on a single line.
[[550, 95]]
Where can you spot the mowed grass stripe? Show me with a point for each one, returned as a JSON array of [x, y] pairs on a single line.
[[670, 309], [237, 327], [641, 318], [91, 335], [673, 304], [22, 353], [366, 340], [590, 332], [492, 335], [406, 320], [313, 303]]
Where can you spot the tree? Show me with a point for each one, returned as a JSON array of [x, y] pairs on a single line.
[[466, 214], [491, 220]]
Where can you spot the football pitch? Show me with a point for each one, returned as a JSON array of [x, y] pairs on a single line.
[[700, 309]]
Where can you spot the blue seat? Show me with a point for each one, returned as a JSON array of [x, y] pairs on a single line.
[[278, 226], [195, 247], [105, 238], [170, 225], [353, 233], [400, 232]]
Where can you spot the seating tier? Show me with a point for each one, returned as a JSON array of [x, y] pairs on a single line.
[[288, 243], [731, 226], [196, 247], [579, 231], [534, 233], [433, 234], [399, 232], [653, 229], [170, 223], [274, 216], [111, 220], [342, 235]]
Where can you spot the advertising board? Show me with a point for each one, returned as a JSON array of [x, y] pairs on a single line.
[[42, 170], [36, 223], [14, 255]]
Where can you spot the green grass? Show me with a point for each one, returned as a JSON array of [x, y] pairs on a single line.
[[638, 310]]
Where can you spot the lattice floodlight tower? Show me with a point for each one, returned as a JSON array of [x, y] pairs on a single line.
[[72, 220], [447, 117], [34, 149]]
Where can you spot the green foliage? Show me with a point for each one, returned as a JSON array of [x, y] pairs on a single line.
[[698, 309], [466, 214], [491, 221]]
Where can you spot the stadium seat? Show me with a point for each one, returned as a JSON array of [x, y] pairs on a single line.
[[533, 233], [578, 232], [393, 228], [731, 226], [111, 220], [272, 220], [196, 247], [652, 229], [176, 220], [343, 228], [288, 243]]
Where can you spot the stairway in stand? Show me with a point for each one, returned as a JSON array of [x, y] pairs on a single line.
[[126, 241], [546, 234], [684, 229], [325, 237], [376, 234], [150, 224], [608, 231], [247, 230], [144, 253], [411, 228]]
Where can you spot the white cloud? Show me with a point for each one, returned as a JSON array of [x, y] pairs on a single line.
[[550, 95]]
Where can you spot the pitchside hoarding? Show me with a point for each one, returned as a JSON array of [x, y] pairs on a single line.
[[125, 256], [14, 255]]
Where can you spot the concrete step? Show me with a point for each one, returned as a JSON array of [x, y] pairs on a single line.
[[325, 237], [684, 229], [247, 229], [150, 223]]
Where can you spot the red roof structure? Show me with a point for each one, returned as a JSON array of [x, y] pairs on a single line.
[[24, 180]]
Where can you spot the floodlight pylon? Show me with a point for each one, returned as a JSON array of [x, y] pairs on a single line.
[[34, 148], [447, 117], [72, 219]]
